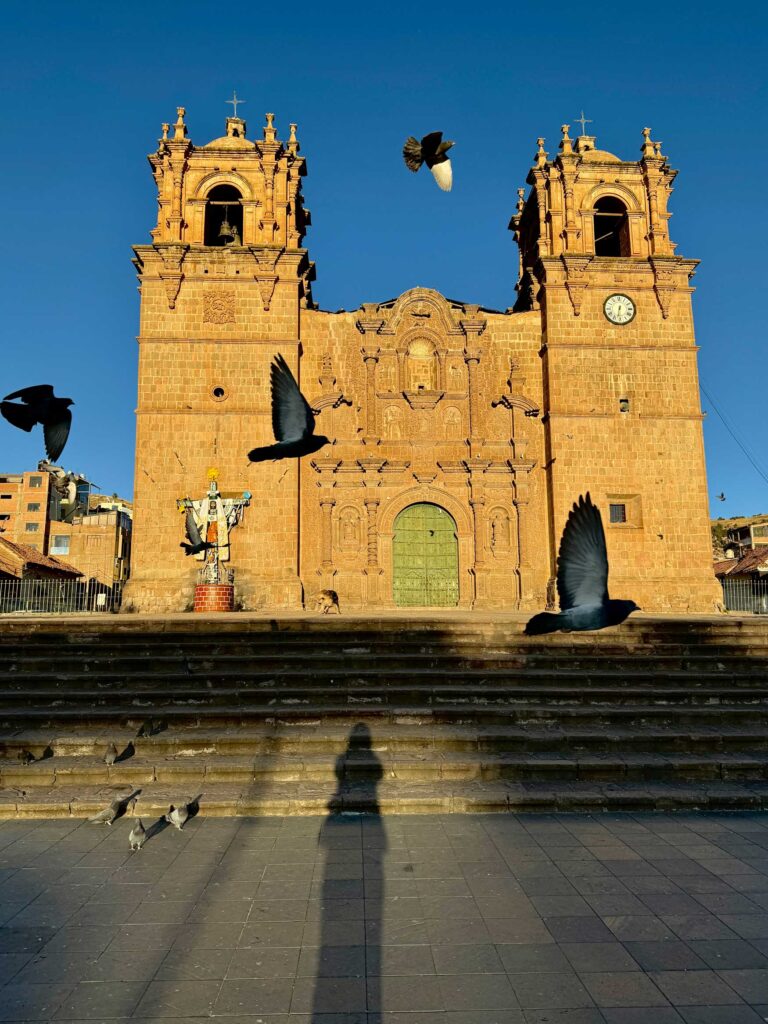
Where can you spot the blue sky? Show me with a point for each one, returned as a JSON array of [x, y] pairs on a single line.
[[86, 85]]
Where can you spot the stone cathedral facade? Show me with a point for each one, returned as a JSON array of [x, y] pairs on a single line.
[[461, 435]]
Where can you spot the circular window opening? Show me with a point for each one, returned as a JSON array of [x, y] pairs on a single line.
[[218, 393]]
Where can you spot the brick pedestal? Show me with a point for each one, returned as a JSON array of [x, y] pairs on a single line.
[[214, 597]]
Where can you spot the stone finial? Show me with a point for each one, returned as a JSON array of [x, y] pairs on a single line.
[[166, 128], [566, 145], [180, 129], [520, 200], [293, 142], [269, 128], [541, 156], [648, 147]]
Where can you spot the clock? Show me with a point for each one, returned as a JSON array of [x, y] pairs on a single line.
[[619, 309]]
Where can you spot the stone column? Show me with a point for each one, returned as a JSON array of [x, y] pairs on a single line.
[[326, 508], [326, 468], [472, 359], [372, 572], [370, 358]]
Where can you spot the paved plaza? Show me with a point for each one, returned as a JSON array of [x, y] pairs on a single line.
[[482, 919]]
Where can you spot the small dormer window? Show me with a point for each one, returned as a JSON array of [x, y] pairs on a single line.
[[223, 216], [611, 227]]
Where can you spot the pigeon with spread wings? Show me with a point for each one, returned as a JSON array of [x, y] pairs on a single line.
[[196, 542], [293, 419], [431, 151], [40, 405], [582, 578]]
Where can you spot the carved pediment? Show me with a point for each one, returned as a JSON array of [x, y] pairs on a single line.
[[423, 399]]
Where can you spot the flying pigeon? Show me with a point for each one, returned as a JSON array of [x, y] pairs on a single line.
[[137, 836], [432, 152], [582, 578], [115, 809], [110, 754], [721, 496], [40, 405], [196, 542], [177, 816], [293, 419]]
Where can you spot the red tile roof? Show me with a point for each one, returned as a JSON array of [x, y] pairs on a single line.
[[14, 557], [749, 563]]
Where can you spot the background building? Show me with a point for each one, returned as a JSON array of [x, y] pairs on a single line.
[[461, 435], [56, 513]]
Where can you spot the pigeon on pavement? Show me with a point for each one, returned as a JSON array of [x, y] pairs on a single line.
[[582, 578], [115, 810], [110, 754], [177, 816], [432, 152], [40, 405], [293, 419], [137, 836], [196, 542]]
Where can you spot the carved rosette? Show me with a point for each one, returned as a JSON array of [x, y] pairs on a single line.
[[219, 306]]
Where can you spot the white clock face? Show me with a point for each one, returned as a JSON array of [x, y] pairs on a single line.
[[619, 309]]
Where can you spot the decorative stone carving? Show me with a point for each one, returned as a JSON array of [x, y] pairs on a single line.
[[349, 529], [219, 306], [498, 530], [452, 426], [393, 418], [576, 279], [664, 284], [330, 397], [172, 275]]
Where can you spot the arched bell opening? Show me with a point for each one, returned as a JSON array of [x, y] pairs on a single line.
[[611, 228], [223, 216]]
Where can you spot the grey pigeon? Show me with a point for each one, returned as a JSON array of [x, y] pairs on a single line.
[[40, 405], [293, 419], [26, 756], [110, 754], [432, 152], [196, 542], [137, 836], [582, 578], [115, 810], [177, 816]]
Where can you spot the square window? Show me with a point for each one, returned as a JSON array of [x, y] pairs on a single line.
[[60, 545], [33, 506], [32, 527], [618, 513], [35, 481]]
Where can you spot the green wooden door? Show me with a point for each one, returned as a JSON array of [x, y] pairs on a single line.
[[425, 557]]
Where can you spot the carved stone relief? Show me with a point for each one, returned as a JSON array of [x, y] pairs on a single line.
[[219, 306], [349, 529]]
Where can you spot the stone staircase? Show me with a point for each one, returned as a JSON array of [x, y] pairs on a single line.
[[417, 714]]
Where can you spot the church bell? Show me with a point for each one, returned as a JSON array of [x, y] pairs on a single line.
[[226, 234]]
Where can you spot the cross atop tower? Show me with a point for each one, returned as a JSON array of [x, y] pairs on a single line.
[[583, 121], [234, 101]]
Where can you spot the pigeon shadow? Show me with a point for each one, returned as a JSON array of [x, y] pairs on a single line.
[[194, 806], [129, 752], [355, 844], [156, 828]]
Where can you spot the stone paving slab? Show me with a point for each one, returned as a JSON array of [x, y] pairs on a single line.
[[631, 918]]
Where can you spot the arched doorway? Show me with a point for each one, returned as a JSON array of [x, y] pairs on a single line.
[[425, 557]]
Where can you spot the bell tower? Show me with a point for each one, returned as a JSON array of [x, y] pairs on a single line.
[[621, 415], [222, 283]]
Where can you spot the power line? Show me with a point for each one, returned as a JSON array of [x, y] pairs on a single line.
[[732, 431]]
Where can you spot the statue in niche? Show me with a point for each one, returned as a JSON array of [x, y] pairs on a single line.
[[386, 378], [456, 377], [452, 424], [392, 418], [499, 529], [349, 529]]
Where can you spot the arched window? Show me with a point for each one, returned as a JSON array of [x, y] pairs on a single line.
[[223, 216], [611, 228], [423, 369]]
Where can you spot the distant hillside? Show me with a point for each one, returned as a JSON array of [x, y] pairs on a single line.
[[721, 525]]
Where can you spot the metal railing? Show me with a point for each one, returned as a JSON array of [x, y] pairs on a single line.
[[57, 597], [745, 595]]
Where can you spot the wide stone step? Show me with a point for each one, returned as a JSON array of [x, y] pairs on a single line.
[[89, 769], [388, 798], [407, 735]]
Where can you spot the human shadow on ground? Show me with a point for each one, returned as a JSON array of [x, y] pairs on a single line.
[[354, 838]]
